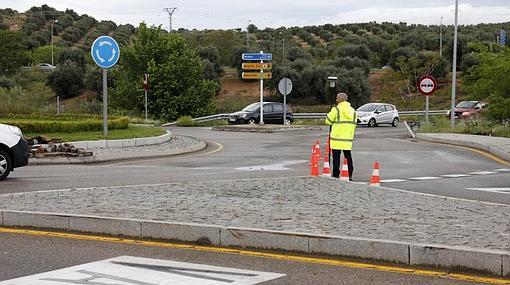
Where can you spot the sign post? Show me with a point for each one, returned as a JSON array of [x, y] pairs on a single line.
[[146, 87], [427, 85], [258, 75], [285, 87], [105, 52]]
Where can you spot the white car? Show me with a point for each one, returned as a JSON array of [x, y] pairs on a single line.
[[373, 114], [13, 150], [46, 67]]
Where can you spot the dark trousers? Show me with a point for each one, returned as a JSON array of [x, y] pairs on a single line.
[[336, 162]]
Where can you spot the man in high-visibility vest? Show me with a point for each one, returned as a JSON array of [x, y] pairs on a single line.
[[342, 119]]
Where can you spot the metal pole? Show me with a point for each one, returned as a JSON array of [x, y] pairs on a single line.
[[285, 104], [52, 43], [454, 67], [105, 103], [261, 122], [441, 38], [427, 109], [247, 38], [58, 105], [283, 47], [145, 104]]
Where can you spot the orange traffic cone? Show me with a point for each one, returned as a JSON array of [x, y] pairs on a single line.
[[375, 180], [314, 159], [344, 174], [325, 169]]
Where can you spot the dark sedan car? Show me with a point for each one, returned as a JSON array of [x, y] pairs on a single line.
[[273, 114]]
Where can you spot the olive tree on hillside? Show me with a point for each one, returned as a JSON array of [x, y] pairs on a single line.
[[177, 84]]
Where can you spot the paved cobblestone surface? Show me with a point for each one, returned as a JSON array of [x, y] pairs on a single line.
[[312, 205]]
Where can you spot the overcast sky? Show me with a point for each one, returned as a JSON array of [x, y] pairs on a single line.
[[226, 14]]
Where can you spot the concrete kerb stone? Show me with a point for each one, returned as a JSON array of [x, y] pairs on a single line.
[[457, 257], [361, 248], [124, 142], [200, 234], [506, 265], [110, 226], [453, 257], [1, 218], [264, 239], [35, 220]]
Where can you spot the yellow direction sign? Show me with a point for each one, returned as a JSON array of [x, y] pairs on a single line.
[[257, 75], [257, 66]]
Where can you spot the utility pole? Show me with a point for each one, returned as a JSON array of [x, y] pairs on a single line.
[[247, 36], [170, 12], [454, 68], [441, 38]]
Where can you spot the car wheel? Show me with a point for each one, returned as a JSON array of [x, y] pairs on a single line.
[[372, 123], [289, 121], [395, 122], [252, 121], [5, 164]]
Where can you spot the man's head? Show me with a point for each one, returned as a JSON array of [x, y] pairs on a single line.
[[341, 97]]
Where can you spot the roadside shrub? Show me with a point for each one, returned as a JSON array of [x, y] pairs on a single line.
[[185, 121], [6, 82], [47, 125], [66, 80]]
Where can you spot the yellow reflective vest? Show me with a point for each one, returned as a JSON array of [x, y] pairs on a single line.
[[343, 119]]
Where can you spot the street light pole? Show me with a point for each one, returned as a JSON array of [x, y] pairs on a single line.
[[247, 34], [441, 38], [454, 67], [52, 23]]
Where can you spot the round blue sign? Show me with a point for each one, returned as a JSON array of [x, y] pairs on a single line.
[[105, 51]]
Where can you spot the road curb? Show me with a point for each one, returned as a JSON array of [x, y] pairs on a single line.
[[123, 142], [264, 128], [91, 160], [494, 262], [488, 148]]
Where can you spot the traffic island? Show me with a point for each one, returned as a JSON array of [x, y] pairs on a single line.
[[267, 128]]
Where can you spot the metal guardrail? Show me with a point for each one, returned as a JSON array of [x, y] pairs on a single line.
[[310, 116]]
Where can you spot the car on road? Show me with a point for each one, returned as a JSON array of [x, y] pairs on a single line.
[[46, 67], [273, 114], [469, 110], [373, 114], [13, 150]]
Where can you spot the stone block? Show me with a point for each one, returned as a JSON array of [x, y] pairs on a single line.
[[263, 239], [200, 234], [360, 248], [506, 264], [110, 226], [115, 143], [36, 220], [96, 144], [456, 257]]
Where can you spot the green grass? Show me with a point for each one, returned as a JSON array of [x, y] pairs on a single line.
[[129, 133], [479, 127]]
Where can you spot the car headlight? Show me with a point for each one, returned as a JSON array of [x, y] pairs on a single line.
[[465, 113], [16, 131], [244, 115], [364, 115]]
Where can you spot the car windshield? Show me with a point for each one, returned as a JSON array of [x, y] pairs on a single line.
[[466, 105], [368, 108], [251, 107]]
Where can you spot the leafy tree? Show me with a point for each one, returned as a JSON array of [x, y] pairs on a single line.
[[350, 50], [12, 51], [489, 80], [211, 54], [178, 87], [252, 28], [67, 79], [43, 54], [75, 55]]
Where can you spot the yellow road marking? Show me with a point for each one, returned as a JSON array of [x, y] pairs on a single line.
[[480, 152], [220, 148], [279, 256]]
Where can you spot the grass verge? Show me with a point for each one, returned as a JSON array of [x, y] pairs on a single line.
[[480, 127], [129, 133]]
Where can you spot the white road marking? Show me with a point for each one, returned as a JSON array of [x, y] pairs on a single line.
[[455, 175], [425, 178], [275, 167], [145, 271], [505, 190], [483, 172], [502, 170], [393, 180]]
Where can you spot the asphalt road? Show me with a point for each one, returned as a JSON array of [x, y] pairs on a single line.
[[418, 166], [22, 255]]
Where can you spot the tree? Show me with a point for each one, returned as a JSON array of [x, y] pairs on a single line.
[[13, 52], [252, 28], [178, 87], [75, 55], [67, 79], [489, 80], [43, 54]]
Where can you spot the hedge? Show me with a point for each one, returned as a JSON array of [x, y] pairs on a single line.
[[65, 126]]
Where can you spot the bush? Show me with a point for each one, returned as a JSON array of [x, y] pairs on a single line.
[[185, 121], [66, 80], [65, 124], [6, 82]]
